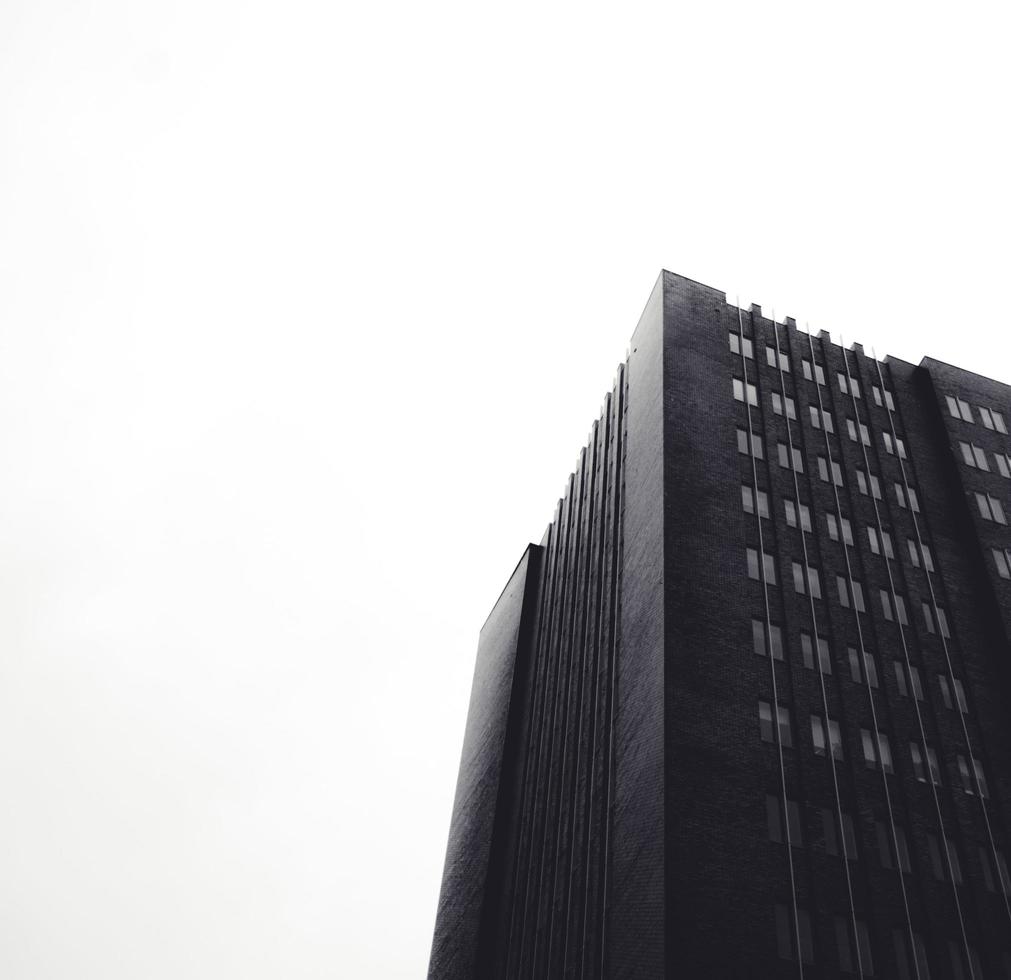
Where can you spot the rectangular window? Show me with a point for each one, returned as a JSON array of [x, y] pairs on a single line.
[[830, 830], [748, 497], [777, 826], [998, 421], [964, 410], [770, 567], [949, 703], [818, 374], [758, 634], [900, 495], [784, 458], [911, 963], [770, 358], [765, 721], [952, 407], [893, 849], [823, 734], [841, 525], [889, 401], [966, 777], [881, 754], [870, 667], [986, 418], [850, 599], [778, 401], [791, 514], [735, 346], [886, 605], [1003, 465], [990, 508], [739, 389], [872, 538], [924, 766], [815, 418], [845, 945], [786, 934], [807, 652], [813, 580], [854, 385], [823, 471], [757, 446], [1001, 561], [851, 428]]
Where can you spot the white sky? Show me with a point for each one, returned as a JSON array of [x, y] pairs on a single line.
[[306, 311]]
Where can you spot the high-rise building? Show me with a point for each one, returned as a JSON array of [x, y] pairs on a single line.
[[745, 711]]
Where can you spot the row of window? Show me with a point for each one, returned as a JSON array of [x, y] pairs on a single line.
[[911, 960], [867, 483], [907, 678], [826, 738], [892, 844], [960, 409], [851, 594], [974, 456]]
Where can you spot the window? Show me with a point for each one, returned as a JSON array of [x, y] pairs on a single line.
[[739, 389], [807, 651], [939, 865], [959, 694], [784, 458], [777, 828], [847, 953], [968, 785], [893, 849], [821, 419], [990, 508], [1003, 465], [837, 526], [854, 385], [792, 511], [876, 754], [823, 471], [1001, 561], [770, 567], [813, 580], [770, 357], [786, 934], [986, 418], [998, 421], [958, 409], [908, 679], [758, 639], [915, 552], [942, 621], [995, 872], [783, 724], [885, 542], [973, 456], [822, 735], [830, 829], [870, 667], [854, 599], [862, 484], [735, 346], [818, 374], [904, 956], [851, 428], [778, 402], [891, 447], [757, 446], [888, 398], [924, 765], [748, 497]]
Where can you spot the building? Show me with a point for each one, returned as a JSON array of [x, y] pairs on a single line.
[[745, 711]]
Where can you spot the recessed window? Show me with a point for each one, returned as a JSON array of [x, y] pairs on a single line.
[[850, 597], [748, 498], [818, 373], [958, 409], [825, 732], [892, 848], [912, 503], [813, 581], [778, 401], [1000, 559], [946, 694], [986, 418], [908, 679], [836, 471], [770, 567], [758, 447], [770, 357], [892, 445], [870, 667], [739, 389], [846, 943], [1003, 465], [735, 346], [786, 934], [758, 639], [911, 963], [851, 428], [995, 870], [877, 752], [807, 652], [969, 784], [768, 731], [852, 387], [868, 484], [784, 458], [837, 526], [888, 398], [973, 456], [830, 830], [778, 827], [793, 510], [990, 508], [998, 421]]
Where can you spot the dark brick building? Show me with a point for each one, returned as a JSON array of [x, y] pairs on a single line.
[[745, 711]]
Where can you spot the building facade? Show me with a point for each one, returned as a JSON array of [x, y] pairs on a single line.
[[745, 711]]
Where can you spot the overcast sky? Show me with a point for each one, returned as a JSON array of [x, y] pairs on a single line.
[[306, 310]]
